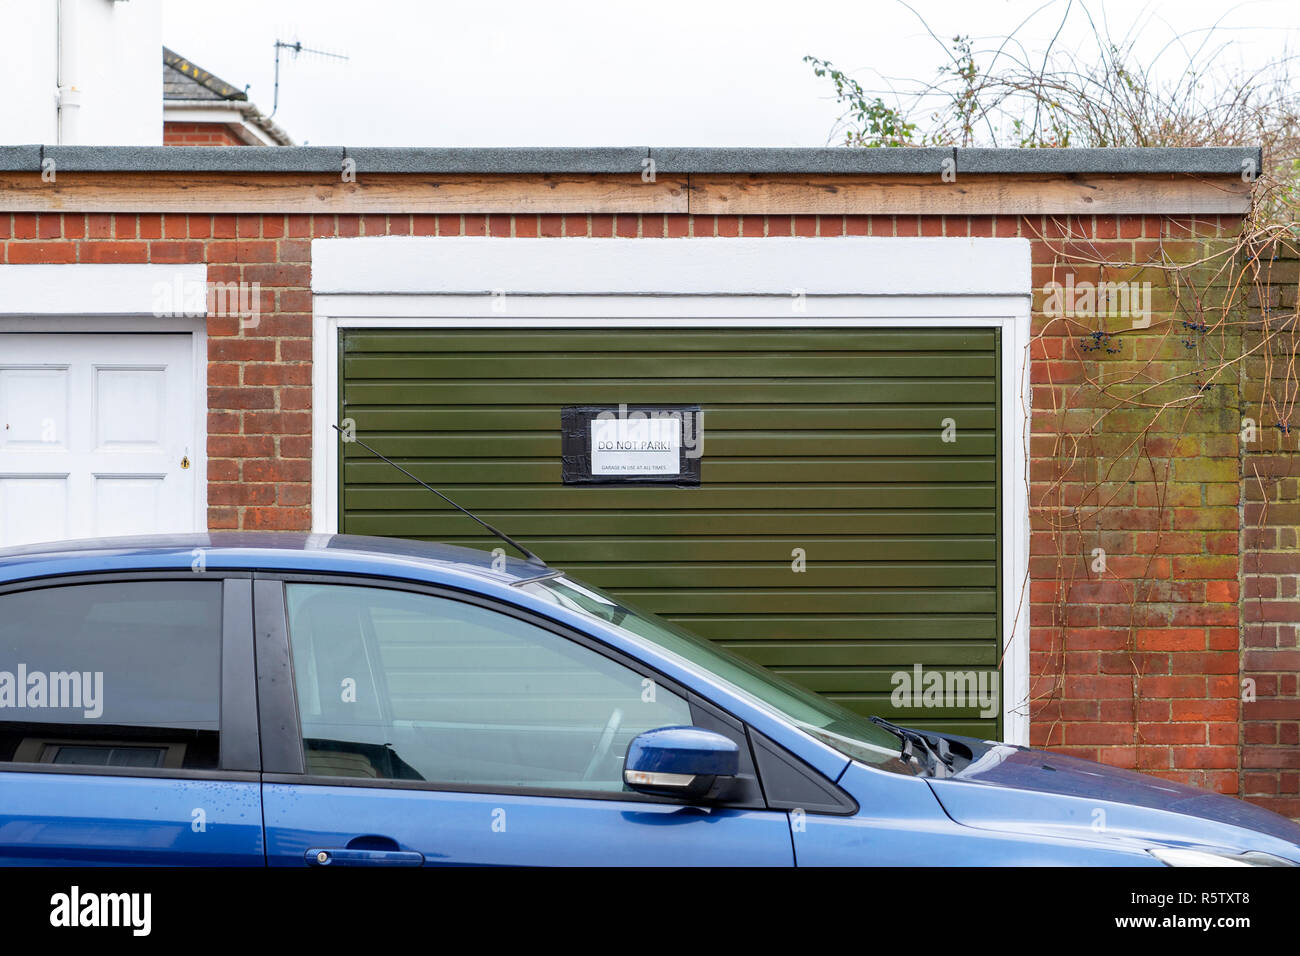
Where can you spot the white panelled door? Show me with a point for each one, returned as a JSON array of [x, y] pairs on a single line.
[[97, 435]]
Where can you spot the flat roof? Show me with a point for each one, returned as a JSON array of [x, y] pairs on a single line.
[[1204, 160]]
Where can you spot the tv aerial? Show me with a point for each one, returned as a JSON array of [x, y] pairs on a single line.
[[296, 47]]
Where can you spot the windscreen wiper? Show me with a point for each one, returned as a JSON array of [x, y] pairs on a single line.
[[937, 749]]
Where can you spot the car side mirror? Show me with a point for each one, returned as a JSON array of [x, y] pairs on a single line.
[[679, 761]]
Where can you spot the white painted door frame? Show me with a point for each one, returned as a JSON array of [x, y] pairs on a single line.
[[841, 282], [106, 298]]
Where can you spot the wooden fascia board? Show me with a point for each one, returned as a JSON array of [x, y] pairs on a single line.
[[971, 194], [731, 194]]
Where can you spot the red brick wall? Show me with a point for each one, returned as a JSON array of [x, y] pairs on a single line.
[[200, 134], [1270, 755], [1137, 667], [1270, 564]]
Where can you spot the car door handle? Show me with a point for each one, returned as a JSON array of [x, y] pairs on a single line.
[[346, 857]]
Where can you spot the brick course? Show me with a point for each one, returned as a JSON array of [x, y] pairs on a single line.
[[200, 134]]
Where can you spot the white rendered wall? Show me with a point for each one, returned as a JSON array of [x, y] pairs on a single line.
[[117, 68]]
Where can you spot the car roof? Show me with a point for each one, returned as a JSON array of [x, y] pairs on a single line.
[[251, 550], [464, 568]]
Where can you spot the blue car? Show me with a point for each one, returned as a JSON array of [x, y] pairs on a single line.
[[302, 700]]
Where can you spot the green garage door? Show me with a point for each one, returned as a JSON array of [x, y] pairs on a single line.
[[827, 440]]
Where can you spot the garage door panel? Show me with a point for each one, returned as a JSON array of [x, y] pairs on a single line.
[[490, 470], [583, 553], [411, 497], [893, 655], [721, 444], [623, 366], [777, 574], [831, 627], [979, 729], [921, 717], [825, 440], [868, 682], [965, 391], [815, 601], [614, 523], [665, 340], [722, 418]]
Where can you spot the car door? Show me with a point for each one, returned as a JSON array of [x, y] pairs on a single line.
[[411, 726], [127, 730]]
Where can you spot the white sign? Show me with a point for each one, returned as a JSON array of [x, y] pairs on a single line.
[[636, 446]]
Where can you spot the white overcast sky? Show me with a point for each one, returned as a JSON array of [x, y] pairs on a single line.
[[667, 73]]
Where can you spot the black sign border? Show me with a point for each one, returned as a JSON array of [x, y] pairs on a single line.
[[575, 447]]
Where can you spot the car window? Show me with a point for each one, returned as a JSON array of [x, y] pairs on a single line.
[[122, 674], [404, 686], [850, 733]]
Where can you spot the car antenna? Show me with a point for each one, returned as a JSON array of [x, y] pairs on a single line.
[[532, 558]]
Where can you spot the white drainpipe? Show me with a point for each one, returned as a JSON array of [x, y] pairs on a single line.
[[69, 102]]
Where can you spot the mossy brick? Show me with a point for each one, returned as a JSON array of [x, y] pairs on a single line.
[[1198, 419], [1139, 519], [1207, 275], [1216, 300], [1274, 295], [1169, 494], [1109, 494], [1172, 347], [1279, 271], [1113, 370], [1175, 251], [1269, 439], [1131, 467], [1222, 493], [1211, 446], [1159, 277], [1041, 273], [1256, 390], [1207, 518], [1177, 395], [1116, 448], [1207, 469]]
